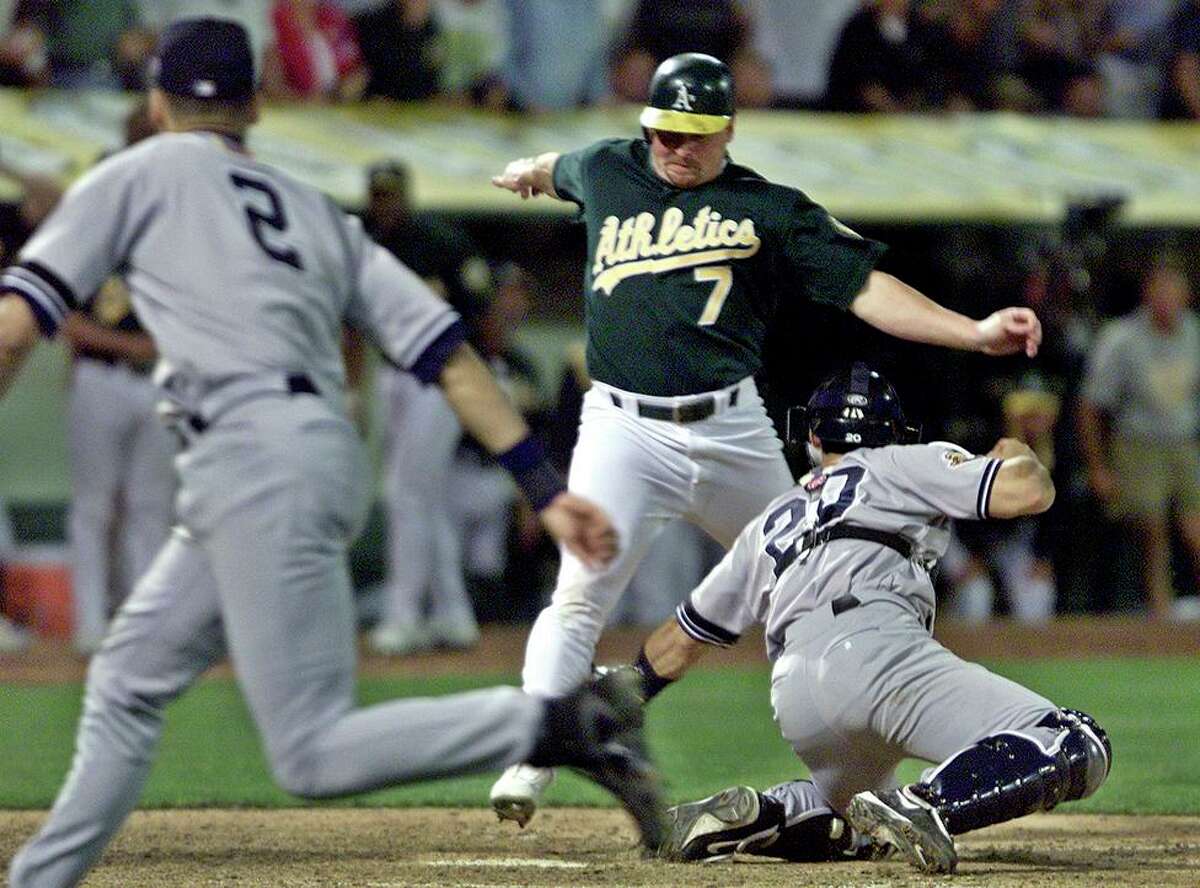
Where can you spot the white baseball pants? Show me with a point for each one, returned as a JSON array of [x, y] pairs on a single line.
[[717, 473]]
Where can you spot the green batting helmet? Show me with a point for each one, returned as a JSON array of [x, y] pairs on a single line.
[[690, 93]]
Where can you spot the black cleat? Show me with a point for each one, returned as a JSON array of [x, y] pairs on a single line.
[[910, 824], [597, 730], [734, 820]]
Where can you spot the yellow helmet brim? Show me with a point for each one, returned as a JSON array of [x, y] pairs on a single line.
[[682, 121]]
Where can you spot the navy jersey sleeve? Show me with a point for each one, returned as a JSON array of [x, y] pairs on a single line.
[[572, 170]]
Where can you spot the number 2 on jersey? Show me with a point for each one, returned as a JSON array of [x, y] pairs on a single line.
[[275, 220], [721, 277], [797, 517]]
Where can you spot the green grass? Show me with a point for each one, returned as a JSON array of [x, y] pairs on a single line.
[[711, 730]]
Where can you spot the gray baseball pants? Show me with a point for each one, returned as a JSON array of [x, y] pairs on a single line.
[[271, 497], [858, 692], [424, 547]]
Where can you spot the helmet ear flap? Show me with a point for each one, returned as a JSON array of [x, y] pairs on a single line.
[[796, 431]]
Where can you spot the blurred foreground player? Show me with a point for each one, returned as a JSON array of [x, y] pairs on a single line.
[[274, 484]]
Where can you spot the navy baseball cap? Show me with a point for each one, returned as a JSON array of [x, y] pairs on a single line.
[[204, 58]]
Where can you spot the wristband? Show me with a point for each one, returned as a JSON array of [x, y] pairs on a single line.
[[539, 481], [652, 683]]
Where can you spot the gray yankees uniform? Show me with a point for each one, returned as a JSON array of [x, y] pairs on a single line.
[[837, 571], [244, 277], [858, 690]]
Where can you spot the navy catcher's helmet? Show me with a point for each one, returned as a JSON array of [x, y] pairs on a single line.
[[854, 408], [690, 93]]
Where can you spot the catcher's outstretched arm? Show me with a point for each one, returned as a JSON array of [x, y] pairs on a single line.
[[667, 653], [671, 651], [18, 335]]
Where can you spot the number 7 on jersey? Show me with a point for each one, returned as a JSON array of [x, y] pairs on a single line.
[[721, 277]]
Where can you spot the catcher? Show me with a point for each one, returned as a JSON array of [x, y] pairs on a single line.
[[837, 569]]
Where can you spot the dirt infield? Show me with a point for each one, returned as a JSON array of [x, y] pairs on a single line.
[[581, 847]]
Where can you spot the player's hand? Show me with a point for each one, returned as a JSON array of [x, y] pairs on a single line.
[[1009, 448], [582, 527], [1009, 331], [519, 177]]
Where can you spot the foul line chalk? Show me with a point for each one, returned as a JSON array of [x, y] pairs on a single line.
[[537, 862]]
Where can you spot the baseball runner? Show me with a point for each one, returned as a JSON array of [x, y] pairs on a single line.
[[244, 277], [688, 256], [837, 570]]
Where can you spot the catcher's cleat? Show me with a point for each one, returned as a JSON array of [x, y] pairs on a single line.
[[737, 819], [910, 824], [516, 795], [598, 731]]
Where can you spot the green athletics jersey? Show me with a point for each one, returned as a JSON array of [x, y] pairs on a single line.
[[682, 283]]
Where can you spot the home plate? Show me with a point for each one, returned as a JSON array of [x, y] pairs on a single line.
[[538, 862]]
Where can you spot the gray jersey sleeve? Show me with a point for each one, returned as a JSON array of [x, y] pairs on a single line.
[[721, 608], [413, 328], [937, 478], [80, 243]]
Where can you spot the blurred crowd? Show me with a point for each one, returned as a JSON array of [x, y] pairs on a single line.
[[1112, 403], [1087, 58]]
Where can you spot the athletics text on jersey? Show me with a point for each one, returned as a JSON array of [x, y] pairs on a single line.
[[681, 285]]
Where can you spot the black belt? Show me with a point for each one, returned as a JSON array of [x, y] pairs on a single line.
[[856, 532], [297, 384], [692, 411], [846, 602]]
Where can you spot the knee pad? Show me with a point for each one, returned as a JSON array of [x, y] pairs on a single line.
[[1087, 749], [1011, 774]]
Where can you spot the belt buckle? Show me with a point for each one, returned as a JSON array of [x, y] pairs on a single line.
[[693, 412]]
